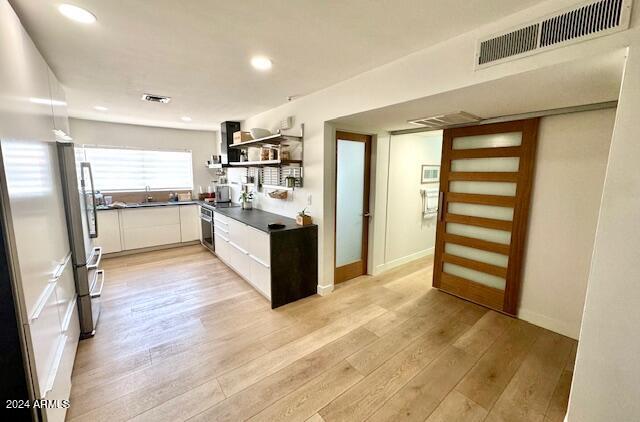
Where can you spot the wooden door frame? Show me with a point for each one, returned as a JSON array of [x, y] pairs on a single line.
[[351, 270], [522, 199]]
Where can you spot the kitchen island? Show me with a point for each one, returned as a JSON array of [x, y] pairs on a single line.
[[282, 264]]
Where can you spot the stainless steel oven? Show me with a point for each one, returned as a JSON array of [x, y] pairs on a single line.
[[206, 221]]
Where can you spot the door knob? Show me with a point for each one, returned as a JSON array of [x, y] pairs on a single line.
[[366, 214]]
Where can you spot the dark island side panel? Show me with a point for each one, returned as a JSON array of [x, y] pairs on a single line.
[[294, 265]]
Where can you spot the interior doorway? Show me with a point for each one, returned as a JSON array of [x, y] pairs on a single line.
[[353, 164]]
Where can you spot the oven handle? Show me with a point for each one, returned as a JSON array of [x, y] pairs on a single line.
[[205, 218]]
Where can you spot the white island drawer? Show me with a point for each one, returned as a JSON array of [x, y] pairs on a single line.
[[259, 245], [260, 277]]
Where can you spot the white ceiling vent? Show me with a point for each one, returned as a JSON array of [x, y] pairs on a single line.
[[446, 120], [578, 23], [155, 98]]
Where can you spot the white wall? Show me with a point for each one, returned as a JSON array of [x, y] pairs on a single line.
[[441, 68], [409, 235], [570, 167], [606, 381], [201, 143]]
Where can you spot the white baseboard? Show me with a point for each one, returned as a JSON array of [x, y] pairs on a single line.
[[325, 290], [552, 324], [400, 261]]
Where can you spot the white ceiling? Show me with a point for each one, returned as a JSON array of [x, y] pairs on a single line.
[[198, 51], [589, 81]]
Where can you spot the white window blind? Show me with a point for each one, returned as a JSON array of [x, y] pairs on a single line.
[[127, 169]]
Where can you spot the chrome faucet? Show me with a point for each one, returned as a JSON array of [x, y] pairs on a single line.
[[148, 197]]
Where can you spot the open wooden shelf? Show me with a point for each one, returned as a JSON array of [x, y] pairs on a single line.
[[264, 163], [276, 139]]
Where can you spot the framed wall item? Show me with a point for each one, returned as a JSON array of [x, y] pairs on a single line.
[[430, 174]]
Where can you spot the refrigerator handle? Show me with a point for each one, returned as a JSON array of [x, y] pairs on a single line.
[[93, 194], [97, 251]]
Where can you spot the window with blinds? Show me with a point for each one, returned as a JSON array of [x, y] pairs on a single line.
[[128, 169]]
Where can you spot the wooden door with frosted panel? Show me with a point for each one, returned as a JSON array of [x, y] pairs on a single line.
[[485, 188]]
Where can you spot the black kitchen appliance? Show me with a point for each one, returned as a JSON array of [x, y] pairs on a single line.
[[206, 221], [228, 155]]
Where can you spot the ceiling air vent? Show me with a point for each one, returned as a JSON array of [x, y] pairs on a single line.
[[446, 120], [579, 23], [156, 98]]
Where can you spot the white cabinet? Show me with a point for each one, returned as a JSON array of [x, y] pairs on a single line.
[[258, 245], [136, 228], [153, 226], [61, 384], [58, 104], [44, 337], [109, 231], [246, 250], [32, 107], [239, 235], [222, 248], [189, 223], [260, 277], [150, 216]]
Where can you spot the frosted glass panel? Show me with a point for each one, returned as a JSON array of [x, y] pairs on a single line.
[[485, 188], [349, 206], [491, 235], [477, 276], [485, 211], [486, 164], [477, 255], [512, 139]]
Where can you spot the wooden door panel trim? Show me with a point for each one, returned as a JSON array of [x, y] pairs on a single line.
[[479, 176], [521, 215], [349, 271], [477, 243], [458, 154], [488, 223], [475, 292], [489, 129], [479, 199], [472, 264]]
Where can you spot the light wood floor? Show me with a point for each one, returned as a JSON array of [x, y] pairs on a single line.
[[182, 337]]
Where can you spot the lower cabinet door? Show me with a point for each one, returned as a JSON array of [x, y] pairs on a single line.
[[222, 248], [189, 223], [240, 261], [45, 331], [61, 387], [144, 237], [109, 231], [260, 277]]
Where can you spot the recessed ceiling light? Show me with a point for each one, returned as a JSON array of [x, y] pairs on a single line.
[[100, 108], [186, 118], [76, 13], [261, 63], [46, 101]]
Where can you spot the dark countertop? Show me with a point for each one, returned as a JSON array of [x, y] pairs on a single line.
[[148, 204], [259, 219]]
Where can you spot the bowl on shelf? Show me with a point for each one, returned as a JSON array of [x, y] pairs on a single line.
[[257, 133]]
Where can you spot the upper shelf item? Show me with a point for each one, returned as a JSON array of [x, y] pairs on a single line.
[[257, 133], [267, 140]]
